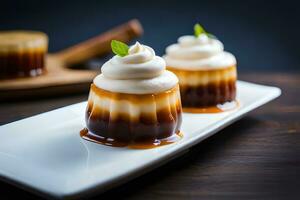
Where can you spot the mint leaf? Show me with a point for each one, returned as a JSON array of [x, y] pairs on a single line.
[[198, 30], [119, 48]]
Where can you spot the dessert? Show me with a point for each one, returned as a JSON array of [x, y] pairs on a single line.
[[134, 101], [22, 53], [207, 74]]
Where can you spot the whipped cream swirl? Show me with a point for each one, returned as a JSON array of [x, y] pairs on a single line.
[[140, 72], [193, 53]]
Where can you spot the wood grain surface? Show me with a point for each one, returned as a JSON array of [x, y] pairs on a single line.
[[59, 77], [257, 157]]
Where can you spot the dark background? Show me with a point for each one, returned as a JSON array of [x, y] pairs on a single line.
[[264, 35], [255, 158]]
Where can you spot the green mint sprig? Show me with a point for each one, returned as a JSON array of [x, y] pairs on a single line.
[[198, 30], [119, 48]]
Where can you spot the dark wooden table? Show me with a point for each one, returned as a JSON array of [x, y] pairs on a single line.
[[257, 157]]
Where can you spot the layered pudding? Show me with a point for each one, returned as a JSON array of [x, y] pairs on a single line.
[[22, 53], [134, 100], [207, 74]]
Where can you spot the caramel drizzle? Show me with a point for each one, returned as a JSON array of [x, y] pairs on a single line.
[[190, 78], [85, 134], [228, 106], [134, 98]]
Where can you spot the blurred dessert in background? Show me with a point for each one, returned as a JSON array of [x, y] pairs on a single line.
[[207, 74], [22, 53], [134, 101]]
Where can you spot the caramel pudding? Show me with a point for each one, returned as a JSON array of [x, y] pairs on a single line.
[[22, 53], [207, 74], [134, 101], [206, 87]]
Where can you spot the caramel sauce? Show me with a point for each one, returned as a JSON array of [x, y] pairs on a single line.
[[133, 98], [228, 106], [85, 134], [202, 72]]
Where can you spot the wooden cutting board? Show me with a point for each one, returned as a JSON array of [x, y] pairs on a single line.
[[59, 78]]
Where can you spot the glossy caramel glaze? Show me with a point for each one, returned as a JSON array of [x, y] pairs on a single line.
[[133, 118], [85, 134], [228, 106], [200, 89], [25, 64]]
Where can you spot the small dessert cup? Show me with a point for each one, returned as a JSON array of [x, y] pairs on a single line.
[[22, 53]]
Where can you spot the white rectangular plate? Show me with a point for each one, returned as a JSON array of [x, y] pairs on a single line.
[[44, 153]]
